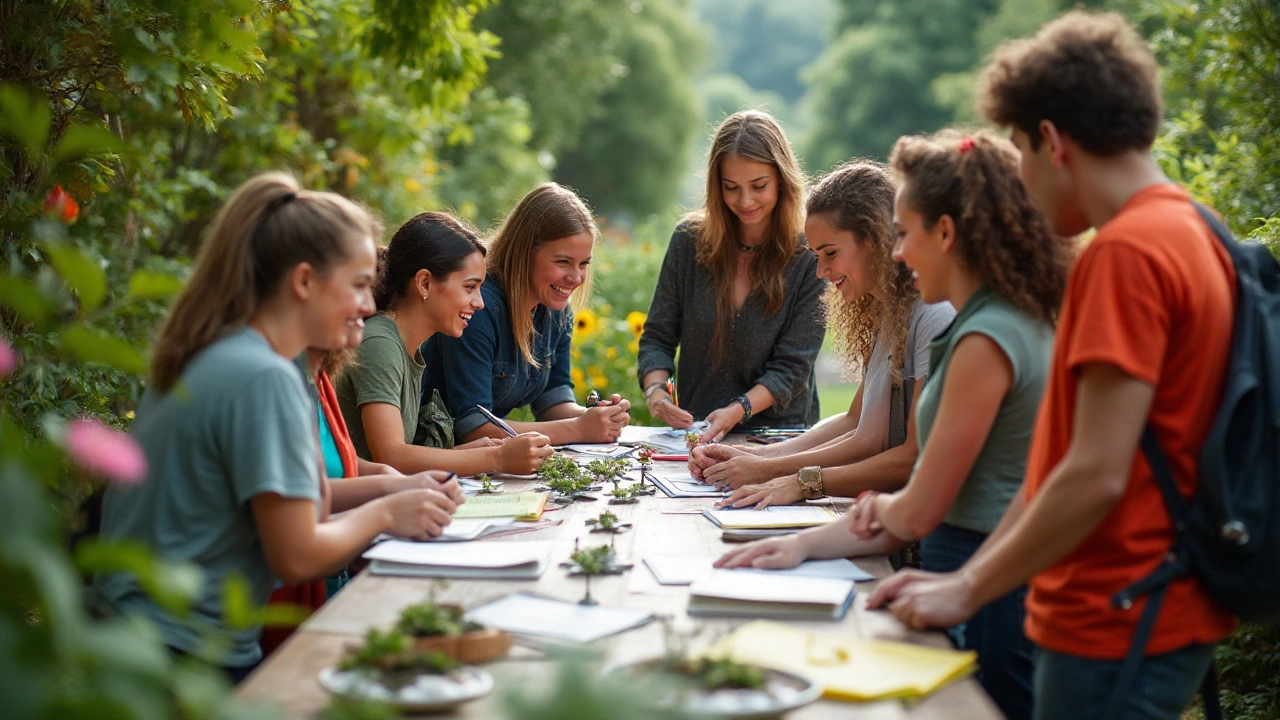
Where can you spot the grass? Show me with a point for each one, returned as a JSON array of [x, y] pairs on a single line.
[[834, 397]]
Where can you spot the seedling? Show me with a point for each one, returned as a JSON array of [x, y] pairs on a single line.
[[607, 522], [487, 485]]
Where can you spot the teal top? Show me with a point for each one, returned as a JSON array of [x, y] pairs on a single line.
[[329, 447], [998, 471], [237, 424]]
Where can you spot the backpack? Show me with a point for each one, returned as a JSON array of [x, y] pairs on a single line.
[[1228, 533]]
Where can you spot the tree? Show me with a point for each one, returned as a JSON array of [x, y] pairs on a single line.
[[629, 160], [873, 83]]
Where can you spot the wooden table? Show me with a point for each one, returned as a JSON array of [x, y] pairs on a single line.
[[287, 680]]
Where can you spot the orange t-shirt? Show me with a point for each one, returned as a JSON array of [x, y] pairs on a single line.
[[1153, 295]]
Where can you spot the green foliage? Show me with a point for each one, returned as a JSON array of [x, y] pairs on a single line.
[[765, 44], [628, 161], [595, 561], [608, 469], [1249, 665], [872, 84], [578, 691], [392, 656]]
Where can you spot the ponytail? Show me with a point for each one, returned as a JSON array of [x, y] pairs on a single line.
[[267, 227]]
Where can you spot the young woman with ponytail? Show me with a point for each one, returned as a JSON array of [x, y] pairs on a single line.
[[970, 234], [429, 282], [234, 483]]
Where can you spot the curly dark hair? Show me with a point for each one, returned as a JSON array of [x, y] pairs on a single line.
[[1087, 73], [858, 197], [1001, 234]]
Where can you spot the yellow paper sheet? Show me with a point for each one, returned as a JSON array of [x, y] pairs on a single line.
[[777, 516], [847, 669], [522, 506]]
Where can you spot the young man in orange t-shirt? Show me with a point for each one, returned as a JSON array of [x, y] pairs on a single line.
[[1144, 336]]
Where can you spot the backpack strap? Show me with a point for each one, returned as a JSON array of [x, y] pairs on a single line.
[[1175, 564]]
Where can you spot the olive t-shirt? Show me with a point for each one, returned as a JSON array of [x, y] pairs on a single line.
[[383, 372], [237, 424], [997, 472]]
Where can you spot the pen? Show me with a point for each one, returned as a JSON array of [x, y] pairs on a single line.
[[496, 421]]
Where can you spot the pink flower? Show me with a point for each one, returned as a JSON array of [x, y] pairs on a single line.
[[106, 452], [8, 358]]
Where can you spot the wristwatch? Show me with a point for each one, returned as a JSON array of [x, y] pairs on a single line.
[[810, 482], [745, 402]]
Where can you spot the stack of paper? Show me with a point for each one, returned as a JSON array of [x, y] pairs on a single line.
[[729, 593], [524, 506], [676, 570], [460, 530], [664, 439], [543, 617], [847, 669], [683, 485], [776, 516], [516, 560]]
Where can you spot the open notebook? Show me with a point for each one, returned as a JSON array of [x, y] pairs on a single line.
[[684, 485], [522, 505], [730, 593], [537, 616], [847, 668], [516, 560], [776, 516]]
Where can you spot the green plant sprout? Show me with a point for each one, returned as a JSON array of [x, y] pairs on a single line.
[[391, 655], [608, 469], [487, 485], [691, 439]]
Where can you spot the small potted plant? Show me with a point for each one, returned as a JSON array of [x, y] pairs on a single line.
[[589, 563], [440, 628], [487, 485], [563, 477], [691, 439], [607, 522], [645, 456], [391, 656]]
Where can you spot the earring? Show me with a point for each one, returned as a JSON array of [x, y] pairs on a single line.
[[424, 296]]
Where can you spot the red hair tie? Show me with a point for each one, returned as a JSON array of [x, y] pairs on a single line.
[[966, 145]]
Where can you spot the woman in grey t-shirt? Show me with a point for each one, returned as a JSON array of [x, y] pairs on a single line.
[[881, 328]]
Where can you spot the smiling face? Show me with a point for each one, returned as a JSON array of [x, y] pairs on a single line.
[[749, 189], [842, 259], [925, 251], [452, 301], [559, 268], [342, 299]]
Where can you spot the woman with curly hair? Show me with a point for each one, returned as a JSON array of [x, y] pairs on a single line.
[[969, 233], [882, 329]]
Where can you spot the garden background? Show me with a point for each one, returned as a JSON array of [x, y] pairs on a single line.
[[124, 124]]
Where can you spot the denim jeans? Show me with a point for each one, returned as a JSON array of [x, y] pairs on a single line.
[[1070, 687], [994, 632]]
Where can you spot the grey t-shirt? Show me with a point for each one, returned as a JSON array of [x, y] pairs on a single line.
[[383, 372], [927, 322], [237, 424], [997, 473]]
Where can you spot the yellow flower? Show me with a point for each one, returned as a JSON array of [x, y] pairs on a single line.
[[412, 185], [599, 381], [595, 370], [634, 345], [584, 323], [611, 352], [578, 378], [575, 353], [636, 319]]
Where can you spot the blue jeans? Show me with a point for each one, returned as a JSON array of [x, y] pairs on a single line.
[[1070, 687], [995, 632]]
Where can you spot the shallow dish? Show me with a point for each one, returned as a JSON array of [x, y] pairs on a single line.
[[782, 693], [425, 693]]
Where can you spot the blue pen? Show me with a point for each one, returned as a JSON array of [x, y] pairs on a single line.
[[496, 421]]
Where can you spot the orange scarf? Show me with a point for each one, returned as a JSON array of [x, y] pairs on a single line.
[[337, 426]]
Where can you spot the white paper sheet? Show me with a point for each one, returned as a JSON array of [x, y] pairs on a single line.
[[674, 570], [543, 617]]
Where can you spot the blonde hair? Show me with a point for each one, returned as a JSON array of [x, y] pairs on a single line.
[[755, 136], [268, 227], [548, 213], [858, 197]]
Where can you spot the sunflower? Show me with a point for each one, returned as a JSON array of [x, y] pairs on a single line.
[[599, 381], [611, 352], [636, 319], [584, 323], [578, 378], [634, 345]]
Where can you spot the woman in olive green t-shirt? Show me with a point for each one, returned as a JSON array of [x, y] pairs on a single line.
[[429, 281]]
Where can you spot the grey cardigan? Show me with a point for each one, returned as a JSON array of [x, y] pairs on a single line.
[[777, 351]]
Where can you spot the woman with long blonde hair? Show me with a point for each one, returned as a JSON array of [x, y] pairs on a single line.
[[515, 351], [738, 294], [234, 483], [882, 330]]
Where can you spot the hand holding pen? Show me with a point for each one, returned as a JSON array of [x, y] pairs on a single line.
[[664, 406]]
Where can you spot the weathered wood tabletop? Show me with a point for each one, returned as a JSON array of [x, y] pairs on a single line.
[[287, 680]]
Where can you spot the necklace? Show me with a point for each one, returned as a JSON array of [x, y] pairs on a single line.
[[749, 248]]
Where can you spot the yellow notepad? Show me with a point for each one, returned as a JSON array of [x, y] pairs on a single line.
[[847, 669], [522, 506], [776, 516]]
